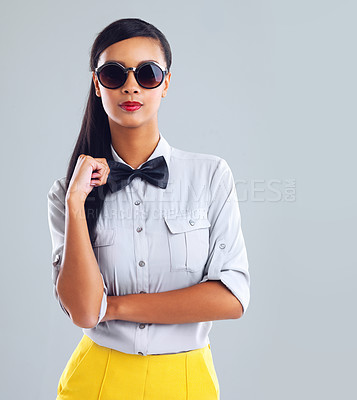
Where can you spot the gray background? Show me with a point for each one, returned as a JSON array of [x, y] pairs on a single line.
[[268, 85]]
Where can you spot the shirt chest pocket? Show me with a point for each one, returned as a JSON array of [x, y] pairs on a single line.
[[188, 240]]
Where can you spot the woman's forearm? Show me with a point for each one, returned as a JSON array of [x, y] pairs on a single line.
[[205, 301], [79, 285]]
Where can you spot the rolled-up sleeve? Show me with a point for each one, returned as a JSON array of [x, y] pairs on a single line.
[[227, 258], [57, 223]]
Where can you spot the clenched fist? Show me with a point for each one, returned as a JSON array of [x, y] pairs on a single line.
[[88, 172]]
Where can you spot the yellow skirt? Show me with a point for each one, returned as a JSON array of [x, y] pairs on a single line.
[[95, 372]]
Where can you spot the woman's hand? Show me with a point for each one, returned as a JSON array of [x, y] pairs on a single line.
[[88, 172]]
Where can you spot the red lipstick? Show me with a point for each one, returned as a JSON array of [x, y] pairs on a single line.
[[130, 105]]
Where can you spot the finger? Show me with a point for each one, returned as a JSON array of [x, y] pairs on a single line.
[[100, 170], [98, 166], [103, 161], [100, 176]]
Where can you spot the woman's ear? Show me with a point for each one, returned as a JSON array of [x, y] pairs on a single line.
[[96, 84], [166, 84]]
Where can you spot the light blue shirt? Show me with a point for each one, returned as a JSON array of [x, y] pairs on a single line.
[[152, 240]]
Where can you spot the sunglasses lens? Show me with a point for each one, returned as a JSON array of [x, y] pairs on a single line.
[[112, 76], [150, 76]]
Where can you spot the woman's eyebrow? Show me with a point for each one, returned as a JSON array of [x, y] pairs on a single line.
[[123, 63]]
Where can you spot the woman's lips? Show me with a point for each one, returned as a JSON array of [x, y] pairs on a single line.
[[130, 108]]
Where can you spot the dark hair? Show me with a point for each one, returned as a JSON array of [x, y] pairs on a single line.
[[94, 137]]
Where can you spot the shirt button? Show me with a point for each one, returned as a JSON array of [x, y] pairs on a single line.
[[222, 246], [137, 202], [192, 222], [139, 229], [142, 263], [57, 259], [139, 352], [142, 326]]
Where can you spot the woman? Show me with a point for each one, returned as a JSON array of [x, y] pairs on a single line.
[[145, 265]]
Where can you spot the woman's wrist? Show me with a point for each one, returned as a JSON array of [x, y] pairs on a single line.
[[75, 200], [112, 308]]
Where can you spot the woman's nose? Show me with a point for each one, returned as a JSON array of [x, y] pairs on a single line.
[[131, 82]]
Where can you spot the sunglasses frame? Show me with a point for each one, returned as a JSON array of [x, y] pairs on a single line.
[[134, 69]]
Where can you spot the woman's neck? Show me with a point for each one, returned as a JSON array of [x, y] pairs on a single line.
[[135, 146]]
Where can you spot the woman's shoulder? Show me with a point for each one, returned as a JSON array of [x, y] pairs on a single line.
[[198, 159], [58, 189]]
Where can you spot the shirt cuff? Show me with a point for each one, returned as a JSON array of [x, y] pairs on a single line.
[[56, 262], [236, 282], [104, 304]]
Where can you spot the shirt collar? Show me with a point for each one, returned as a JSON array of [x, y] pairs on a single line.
[[162, 149]]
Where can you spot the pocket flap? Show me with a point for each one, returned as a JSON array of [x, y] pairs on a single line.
[[105, 237], [185, 223]]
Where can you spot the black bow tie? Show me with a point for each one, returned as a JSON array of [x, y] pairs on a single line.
[[154, 171]]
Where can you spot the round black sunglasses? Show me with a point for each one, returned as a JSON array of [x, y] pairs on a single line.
[[113, 75]]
